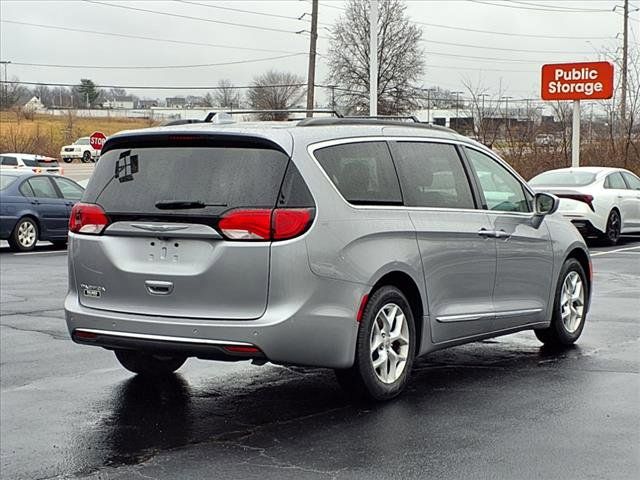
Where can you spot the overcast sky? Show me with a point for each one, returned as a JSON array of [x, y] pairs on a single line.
[[504, 57]]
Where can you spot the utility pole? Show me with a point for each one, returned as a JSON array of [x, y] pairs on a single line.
[[625, 40], [311, 78], [373, 59], [428, 106], [5, 85]]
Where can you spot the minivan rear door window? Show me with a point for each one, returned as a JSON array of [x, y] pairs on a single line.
[[363, 172]]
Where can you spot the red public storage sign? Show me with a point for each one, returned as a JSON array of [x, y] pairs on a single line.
[[577, 81], [97, 140]]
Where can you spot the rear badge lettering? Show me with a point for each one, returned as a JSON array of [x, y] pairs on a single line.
[[92, 291]]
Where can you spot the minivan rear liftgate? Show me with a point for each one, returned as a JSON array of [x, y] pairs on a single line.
[[182, 225]]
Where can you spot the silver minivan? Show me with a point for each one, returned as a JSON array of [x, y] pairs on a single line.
[[343, 243]]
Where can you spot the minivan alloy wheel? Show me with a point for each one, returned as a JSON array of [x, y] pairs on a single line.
[[27, 234], [389, 343], [572, 301]]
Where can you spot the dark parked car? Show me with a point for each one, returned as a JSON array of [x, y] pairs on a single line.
[[35, 207]]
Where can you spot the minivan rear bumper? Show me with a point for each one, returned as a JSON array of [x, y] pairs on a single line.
[[313, 334]]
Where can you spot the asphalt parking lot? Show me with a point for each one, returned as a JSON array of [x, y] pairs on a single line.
[[502, 408]]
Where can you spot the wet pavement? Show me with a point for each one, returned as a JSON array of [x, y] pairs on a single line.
[[502, 408]]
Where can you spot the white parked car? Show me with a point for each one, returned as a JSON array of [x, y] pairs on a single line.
[[28, 161], [601, 202], [81, 149]]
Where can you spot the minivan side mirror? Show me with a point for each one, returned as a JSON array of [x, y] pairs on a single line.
[[545, 204]]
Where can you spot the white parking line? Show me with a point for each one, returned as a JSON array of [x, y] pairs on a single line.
[[597, 254], [41, 253]]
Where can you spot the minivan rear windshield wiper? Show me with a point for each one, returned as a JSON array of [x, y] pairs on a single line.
[[185, 204]]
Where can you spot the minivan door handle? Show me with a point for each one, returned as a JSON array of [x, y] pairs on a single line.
[[157, 287], [502, 234], [483, 232]]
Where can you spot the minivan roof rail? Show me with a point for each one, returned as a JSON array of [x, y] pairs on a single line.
[[211, 115], [408, 118], [382, 121]]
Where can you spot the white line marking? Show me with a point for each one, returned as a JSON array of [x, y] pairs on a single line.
[[41, 253], [597, 254]]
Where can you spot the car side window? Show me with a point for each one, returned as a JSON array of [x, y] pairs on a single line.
[[502, 191], [363, 172], [69, 190], [42, 187], [632, 181], [615, 181], [25, 189], [10, 161], [432, 175]]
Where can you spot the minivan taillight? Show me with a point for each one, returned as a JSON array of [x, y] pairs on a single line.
[[88, 218], [261, 224]]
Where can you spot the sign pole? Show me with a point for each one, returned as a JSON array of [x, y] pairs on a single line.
[[373, 58], [575, 135]]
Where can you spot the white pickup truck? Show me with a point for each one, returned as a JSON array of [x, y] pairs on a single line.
[[81, 149]]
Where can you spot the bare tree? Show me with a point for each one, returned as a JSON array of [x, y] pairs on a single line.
[[11, 94], [400, 57], [485, 109], [226, 96], [275, 90]]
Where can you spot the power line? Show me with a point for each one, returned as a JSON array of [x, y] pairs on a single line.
[[510, 34], [559, 8], [484, 47], [155, 67], [541, 9], [140, 37], [147, 87], [199, 19], [239, 10]]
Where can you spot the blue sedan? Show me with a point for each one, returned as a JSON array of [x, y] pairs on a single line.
[[35, 207]]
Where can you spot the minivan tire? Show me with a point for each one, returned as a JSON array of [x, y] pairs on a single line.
[[561, 332], [363, 380], [24, 236], [148, 364]]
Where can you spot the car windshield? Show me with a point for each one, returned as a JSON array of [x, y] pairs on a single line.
[[568, 178], [82, 141], [6, 180]]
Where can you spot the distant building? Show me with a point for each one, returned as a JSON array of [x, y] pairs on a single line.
[[145, 104], [125, 103], [34, 105], [196, 102], [176, 102]]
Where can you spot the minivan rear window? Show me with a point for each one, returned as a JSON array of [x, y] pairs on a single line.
[[135, 180]]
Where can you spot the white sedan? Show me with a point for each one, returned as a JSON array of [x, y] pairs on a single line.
[[599, 201]]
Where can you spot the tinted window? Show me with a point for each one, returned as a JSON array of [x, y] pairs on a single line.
[[32, 162], [615, 180], [69, 189], [129, 181], [294, 192], [82, 141], [501, 190], [42, 187], [9, 160], [6, 180], [432, 175], [565, 178], [363, 172], [632, 181]]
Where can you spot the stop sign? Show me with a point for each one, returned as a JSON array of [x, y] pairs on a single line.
[[97, 140]]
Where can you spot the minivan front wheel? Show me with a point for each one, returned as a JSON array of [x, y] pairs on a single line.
[[385, 347], [570, 307], [148, 364]]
